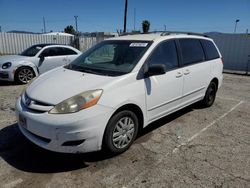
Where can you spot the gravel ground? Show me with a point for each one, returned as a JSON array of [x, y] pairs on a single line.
[[194, 147]]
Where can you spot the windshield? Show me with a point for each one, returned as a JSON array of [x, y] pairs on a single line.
[[32, 51], [111, 58]]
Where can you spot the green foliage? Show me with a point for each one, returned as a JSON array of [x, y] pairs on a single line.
[[145, 26], [70, 29]]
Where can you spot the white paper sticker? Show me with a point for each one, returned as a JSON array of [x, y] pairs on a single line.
[[139, 44]]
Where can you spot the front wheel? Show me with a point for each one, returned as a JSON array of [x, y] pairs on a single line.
[[210, 95], [24, 74], [120, 132]]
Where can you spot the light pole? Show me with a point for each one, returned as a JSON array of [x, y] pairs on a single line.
[[76, 17], [235, 27], [44, 26], [134, 17], [125, 17]]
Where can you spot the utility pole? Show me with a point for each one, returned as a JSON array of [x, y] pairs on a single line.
[[165, 28], [125, 16], [76, 17], [44, 26], [235, 27], [134, 17]]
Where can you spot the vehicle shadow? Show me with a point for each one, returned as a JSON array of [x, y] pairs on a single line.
[[7, 83], [20, 153], [167, 119]]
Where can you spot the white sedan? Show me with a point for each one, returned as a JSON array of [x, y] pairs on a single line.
[[35, 60]]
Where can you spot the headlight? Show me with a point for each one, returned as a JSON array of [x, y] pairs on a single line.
[[6, 65], [78, 102]]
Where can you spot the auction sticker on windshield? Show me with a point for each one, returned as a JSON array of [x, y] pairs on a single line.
[[139, 44]]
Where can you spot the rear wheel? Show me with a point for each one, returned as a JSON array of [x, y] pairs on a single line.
[[120, 132], [24, 74], [210, 95]]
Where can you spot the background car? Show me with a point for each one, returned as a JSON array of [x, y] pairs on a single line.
[[35, 60]]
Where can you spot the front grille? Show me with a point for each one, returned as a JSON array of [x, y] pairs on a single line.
[[35, 105]]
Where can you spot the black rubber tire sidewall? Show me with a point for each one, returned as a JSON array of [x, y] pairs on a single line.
[[206, 101], [108, 134]]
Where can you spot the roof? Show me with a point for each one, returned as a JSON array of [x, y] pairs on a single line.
[[59, 34], [159, 35]]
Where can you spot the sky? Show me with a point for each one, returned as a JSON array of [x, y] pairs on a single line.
[[107, 15]]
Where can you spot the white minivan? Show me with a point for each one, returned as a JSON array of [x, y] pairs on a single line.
[[103, 98]]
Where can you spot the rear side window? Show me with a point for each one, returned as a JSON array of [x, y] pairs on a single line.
[[50, 52], [68, 51], [210, 50], [165, 54], [192, 51]]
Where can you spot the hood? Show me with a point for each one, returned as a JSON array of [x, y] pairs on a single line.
[[12, 58], [59, 84]]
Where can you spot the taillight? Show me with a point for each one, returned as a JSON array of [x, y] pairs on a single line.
[[222, 60]]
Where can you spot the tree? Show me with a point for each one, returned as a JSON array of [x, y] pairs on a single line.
[[70, 29], [145, 26]]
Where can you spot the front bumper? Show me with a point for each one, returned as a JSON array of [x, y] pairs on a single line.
[[6, 75], [67, 133]]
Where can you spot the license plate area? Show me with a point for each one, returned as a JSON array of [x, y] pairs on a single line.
[[22, 121]]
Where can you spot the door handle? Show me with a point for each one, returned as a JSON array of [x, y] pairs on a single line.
[[186, 72], [178, 75]]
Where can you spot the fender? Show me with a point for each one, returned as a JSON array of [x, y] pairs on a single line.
[[28, 64]]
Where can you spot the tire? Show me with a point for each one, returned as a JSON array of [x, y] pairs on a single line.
[[24, 74], [120, 132], [210, 95]]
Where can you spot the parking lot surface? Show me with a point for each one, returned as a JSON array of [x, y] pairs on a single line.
[[194, 147]]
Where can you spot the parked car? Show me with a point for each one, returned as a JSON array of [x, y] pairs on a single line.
[[35, 60], [118, 87]]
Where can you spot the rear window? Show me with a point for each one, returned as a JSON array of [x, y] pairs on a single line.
[[192, 51], [210, 50]]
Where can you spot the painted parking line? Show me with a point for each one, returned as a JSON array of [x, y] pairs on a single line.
[[205, 128], [13, 183]]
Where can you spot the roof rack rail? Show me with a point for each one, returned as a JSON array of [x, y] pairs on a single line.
[[182, 32], [165, 33], [136, 33]]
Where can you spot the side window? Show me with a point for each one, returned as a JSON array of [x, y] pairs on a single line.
[[192, 51], [56, 51], [166, 54], [60, 51], [50, 52], [68, 51], [210, 50]]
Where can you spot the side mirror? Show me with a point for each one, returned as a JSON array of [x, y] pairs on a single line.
[[156, 69], [41, 57]]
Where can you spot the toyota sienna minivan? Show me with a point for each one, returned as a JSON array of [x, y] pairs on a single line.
[[107, 95]]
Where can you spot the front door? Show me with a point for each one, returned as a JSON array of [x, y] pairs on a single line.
[[164, 92]]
